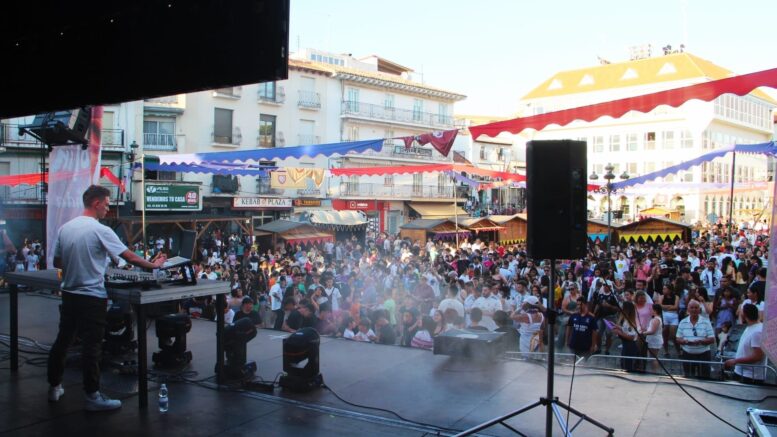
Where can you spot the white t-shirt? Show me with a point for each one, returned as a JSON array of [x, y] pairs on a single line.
[[276, 296], [751, 338], [333, 294], [451, 303], [84, 245], [488, 305]]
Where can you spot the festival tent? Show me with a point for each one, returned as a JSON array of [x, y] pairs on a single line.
[[657, 211], [432, 210], [436, 229], [597, 230], [513, 228], [653, 229], [483, 227], [292, 232]]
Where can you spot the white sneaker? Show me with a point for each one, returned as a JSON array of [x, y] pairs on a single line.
[[56, 392], [99, 402]]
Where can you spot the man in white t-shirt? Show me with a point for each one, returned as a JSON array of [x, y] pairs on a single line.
[[276, 300], [488, 304], [451, 301], [81, 249], [710, 278], [749, 350], [332, 293]]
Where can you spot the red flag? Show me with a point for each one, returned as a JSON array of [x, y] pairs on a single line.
[[108, 174], [441, 140], [408, 141]]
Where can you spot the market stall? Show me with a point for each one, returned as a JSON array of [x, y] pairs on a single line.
[[653, 229], [513, 228], [483, 228], [436, 229]]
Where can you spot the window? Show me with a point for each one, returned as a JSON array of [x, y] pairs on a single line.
[[266, 130], [667, 139], [650, 167], [650, 141], [686, 139], [482, 153], [307, 132], [353, 133], [687, 177], [388, 101], [669, 177], [159, 134], [598, 144], [388, 180], [154, 175], [418, 109], [388, 137], [631, 169], [632, 142], [615, 143], [353, 99], [222, 126], [418, 181], [442, 113], [267, 91]]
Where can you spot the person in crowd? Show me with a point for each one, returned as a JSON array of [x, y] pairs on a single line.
[[669, 303], [423, 337], [247, 311], [532, 321], [475, 317], [653, 333], [510, 338], [365, 334], [606, 308], [724, 308], [277, 301], [627, 329], [695, 335], [582, 330], [750, 361], [755, 296]]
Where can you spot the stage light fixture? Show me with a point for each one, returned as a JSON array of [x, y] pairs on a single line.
[[171, 332], [301, 361], [236, 337]]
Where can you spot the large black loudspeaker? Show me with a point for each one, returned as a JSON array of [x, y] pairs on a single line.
[[188, 239], [556, 199]]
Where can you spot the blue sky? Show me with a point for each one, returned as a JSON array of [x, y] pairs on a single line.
[[495, 51]]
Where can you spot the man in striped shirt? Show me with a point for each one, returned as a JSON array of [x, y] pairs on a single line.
[[695, 335]]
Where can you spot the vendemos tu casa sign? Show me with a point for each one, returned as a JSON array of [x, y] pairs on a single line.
[[160, 197]]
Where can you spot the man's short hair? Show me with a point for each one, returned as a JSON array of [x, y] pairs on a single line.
[[476, 315], [750, 311], [94, 192]]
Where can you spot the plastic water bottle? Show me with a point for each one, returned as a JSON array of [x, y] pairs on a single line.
[[164, 402]]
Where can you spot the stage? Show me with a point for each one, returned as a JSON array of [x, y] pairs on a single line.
[[419, 386]]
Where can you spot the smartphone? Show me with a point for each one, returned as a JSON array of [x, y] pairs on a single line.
[[609, 324]]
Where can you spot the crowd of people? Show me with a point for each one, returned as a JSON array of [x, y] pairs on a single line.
[[673, 299]]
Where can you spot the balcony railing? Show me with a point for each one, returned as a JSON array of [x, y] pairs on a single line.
[[309, 140], [381, 112], [169, 100], [309, 100], [231, 92], [279, 96], [234, 140], [112, 139], [377, 190], [414, 152], [159, 141]]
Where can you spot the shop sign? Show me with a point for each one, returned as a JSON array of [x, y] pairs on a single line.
[[307, 202], [261, 202], [160, 197]]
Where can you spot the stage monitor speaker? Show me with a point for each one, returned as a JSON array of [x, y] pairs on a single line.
[[477, 345], [188, 239], [556, 199]]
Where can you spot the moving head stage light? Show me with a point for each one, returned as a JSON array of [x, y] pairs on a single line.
[[119, 335], [171, 331], [300, 361], [236, 336]]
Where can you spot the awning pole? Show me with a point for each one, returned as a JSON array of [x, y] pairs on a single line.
[[731, 198], [455, 210]]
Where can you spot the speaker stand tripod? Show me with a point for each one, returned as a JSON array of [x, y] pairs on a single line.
[[550, 402]]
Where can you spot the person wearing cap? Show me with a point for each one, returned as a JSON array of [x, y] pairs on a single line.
[[247, 310], [531, 320]]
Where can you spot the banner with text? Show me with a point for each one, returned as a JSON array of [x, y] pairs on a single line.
[[71, 171], [161, 197], [261, 203]]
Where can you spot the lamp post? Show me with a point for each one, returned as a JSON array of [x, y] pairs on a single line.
[[608, 189]]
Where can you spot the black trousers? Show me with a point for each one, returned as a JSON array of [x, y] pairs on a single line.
[[84, 316], [696, 369], [278, 319]]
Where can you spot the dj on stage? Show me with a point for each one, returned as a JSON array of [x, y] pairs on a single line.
[[81, 250]]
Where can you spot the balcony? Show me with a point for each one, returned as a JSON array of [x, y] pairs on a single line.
[[382, 191], [276, 98], [165, 105], [233, 92], [308, 140], [381, 113], [222, 140], [412, 152], [10, 137], [159, 142], [112, 139], [309, 100], [22, 194]]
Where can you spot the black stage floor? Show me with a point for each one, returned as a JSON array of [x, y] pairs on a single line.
[[417, 385]]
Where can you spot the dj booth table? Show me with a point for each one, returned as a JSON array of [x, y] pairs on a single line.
[[139, 299]]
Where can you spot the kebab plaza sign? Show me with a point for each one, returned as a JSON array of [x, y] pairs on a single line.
[[161, 197]]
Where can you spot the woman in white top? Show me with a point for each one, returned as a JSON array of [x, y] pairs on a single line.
[[754, 296], [531, 320], [653, 335]]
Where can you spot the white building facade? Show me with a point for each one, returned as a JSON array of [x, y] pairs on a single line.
[[640, 143]]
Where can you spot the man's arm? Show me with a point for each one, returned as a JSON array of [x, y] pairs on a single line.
[[134, 259]]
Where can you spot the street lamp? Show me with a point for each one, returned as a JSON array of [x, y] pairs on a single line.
[[608, 189]]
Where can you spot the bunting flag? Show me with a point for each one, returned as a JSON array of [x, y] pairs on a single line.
[[108, 174], [594, 236], [670, 236], [739, 85], [281, 179], [441, 140], [23, 179]]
